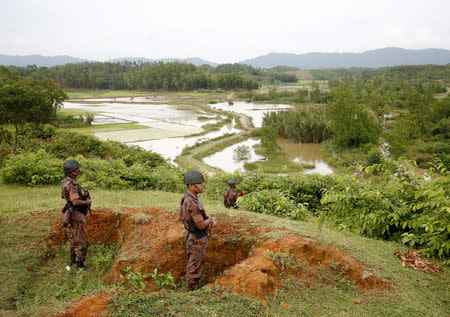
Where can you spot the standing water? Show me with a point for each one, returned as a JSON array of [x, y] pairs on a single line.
[[307, 153], [255, 111]]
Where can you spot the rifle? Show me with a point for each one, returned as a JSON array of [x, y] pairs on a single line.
[[87, 196]]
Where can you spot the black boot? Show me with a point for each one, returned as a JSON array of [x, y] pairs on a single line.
[[73, 258], [80, 265]]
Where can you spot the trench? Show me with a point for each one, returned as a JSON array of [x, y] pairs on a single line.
[[242, 255]]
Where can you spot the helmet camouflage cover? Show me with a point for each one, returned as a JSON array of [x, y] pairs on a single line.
[[193, 177], [70, 166], [232, 182]]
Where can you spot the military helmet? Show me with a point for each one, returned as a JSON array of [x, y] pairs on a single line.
[[193, 177], [232, 182], [70, 166]]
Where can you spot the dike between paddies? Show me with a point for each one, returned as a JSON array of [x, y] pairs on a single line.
[[193, 159]]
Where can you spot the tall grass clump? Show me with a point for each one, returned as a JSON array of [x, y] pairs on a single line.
[[307, 125]]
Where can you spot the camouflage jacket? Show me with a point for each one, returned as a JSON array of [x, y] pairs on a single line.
[[191, 209], [230, 196]]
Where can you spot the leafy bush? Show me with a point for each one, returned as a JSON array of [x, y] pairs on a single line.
[[374, 157], [400, 208], [273, 202], [302, 189], [32, 169]]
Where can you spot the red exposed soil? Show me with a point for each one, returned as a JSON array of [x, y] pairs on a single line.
[[239, 256], [93, 305]]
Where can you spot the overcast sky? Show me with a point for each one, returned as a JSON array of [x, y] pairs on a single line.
[[218, 31]]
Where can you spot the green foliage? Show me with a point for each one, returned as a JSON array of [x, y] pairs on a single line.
[[298, 96], [26, 100], [32, 169], [401, 208], [273, 202], [163, 279], [269, 137], [350, 124], [172, 76], [241, 154], [374, 156], [308, 125], [108, 165], [133, 279]]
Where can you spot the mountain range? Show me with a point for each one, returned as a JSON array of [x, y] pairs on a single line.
[[389, 56]]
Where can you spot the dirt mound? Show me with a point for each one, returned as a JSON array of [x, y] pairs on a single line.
[[240, 256], [414, 260], [93, 305]]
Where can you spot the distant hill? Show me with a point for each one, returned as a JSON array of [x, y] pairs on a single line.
[[49, 61], [38, 60], [193, 60], [390, 56]]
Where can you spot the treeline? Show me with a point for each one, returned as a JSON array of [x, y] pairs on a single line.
[[406, 72], [173, 76], [267, 76]]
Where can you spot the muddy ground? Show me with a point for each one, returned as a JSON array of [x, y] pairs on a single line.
[[243, 255]]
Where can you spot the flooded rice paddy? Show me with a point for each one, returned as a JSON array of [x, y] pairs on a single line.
[[165, 129], [170, 148], [253, 110]]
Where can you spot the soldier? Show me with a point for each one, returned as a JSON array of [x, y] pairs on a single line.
[[197, 224], [230, 195], [77, 204]]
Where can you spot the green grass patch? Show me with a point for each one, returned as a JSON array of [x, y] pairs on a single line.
[[62, 113], [104, 93], [109, 128]]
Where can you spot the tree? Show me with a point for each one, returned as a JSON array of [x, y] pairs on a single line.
[[26, 100], [269, 137], [350, 124], [242, 154]]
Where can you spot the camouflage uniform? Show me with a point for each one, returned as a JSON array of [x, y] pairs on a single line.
[[70, 191], [230, 196], [196, 240]]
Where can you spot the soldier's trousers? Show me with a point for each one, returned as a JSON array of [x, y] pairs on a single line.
[[78, 238], [195, 256]]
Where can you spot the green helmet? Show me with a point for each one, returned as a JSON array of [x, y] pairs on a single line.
[[193, 177], [232, 182], [70, 166]]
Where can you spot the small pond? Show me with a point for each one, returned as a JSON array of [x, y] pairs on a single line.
[[224, 159], [307, 153]]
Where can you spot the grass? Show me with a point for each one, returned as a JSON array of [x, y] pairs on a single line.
[[34, 282], [63, 113], [104, 93], [109, 128]]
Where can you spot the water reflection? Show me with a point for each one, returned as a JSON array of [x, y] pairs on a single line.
[[307, 153], [255, 111], [224, 159], [170, 148], [144, 114]]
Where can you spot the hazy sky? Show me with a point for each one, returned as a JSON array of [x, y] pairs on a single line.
[[218, 31]]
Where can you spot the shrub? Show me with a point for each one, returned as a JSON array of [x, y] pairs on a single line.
[[32, 169], [273, 202], [374, 157]]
